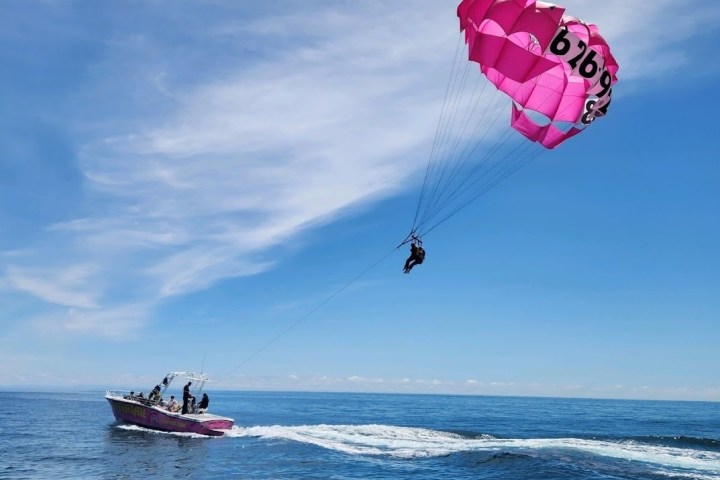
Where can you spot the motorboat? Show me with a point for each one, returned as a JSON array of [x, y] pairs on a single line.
[[156, 412]]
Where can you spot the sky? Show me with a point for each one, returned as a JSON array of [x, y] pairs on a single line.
[[221, 186]]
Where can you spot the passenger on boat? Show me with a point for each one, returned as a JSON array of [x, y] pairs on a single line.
[[155, 394], [131, 396], [173, 405], [186, 398], [203, 405], [140, 397]]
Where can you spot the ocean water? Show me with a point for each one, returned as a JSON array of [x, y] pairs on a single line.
[[367, 436]]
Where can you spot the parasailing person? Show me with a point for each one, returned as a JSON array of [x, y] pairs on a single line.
[[417, 255]]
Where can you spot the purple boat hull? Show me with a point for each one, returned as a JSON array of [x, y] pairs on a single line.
[[157, 418]]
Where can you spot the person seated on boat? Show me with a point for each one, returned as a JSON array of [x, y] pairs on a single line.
[[142, 399], [155, 394], [203, 405], [172, 405], [131, 396], [186, 398]]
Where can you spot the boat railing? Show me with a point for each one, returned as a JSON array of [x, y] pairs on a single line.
[[126, 395]]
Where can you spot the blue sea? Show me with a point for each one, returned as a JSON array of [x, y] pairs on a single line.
[[367, 436]]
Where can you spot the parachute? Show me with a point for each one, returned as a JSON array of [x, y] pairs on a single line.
[[557, 73], [553, 65]]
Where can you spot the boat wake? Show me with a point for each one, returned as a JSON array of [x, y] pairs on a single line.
[[137, 428], [405, 442]]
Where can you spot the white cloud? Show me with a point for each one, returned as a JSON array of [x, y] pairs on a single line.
[[69, 286], [112, 321], [249, 159], [502, 384]]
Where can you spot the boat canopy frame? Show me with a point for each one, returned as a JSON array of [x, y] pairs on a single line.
[[198, 379]]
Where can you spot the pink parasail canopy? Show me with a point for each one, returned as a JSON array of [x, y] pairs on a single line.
[[557, 69]]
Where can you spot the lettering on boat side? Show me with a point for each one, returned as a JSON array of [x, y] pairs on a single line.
[[165, 421], [131, 409]]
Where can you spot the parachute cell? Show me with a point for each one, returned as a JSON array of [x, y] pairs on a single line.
[[557, 69]]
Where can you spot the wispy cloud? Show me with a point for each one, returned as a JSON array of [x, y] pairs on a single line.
[[70, 286], [198, 174], [114, 321], [252, 157]]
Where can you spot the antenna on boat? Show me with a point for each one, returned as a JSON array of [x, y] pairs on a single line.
[[202, 369]]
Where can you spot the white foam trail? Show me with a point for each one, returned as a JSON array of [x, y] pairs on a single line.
[[683, 458], [159, 432], [404, 442], [690, 476], [364, 439]]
